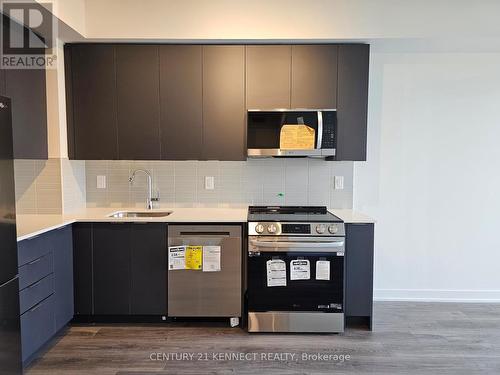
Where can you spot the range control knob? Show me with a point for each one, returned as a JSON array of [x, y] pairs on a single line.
[[320, 228], [259, 228], [333, 229], [271, 228]]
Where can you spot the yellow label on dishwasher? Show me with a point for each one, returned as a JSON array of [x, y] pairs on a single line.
[[194, 256]]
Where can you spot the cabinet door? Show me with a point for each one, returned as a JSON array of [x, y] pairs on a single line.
[[26, 88], [268, 76], [314, 76], [181, 102], [359, 270], [93, 91], [149, 269], [111, 259], [224, 103], [352, 101], [83, 269], [137, 81], [37, 327], [62, 241], [2, 82]]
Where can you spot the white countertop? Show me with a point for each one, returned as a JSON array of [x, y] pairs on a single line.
[[352, 217], [32, 225]]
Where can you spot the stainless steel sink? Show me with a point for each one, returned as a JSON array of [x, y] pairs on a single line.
[[136, 214]]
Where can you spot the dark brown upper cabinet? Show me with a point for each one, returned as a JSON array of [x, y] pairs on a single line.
[[314, 76], [224, 112], [352, 101], [92, 119], [27, 90], [181, 102], [2, 82], [268, 76], [138, 98], [189, 102]]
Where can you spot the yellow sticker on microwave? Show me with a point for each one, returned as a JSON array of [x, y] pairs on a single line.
[[297, 137], [194, 256]]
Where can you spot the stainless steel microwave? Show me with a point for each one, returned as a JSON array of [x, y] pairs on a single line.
[[264, 129]]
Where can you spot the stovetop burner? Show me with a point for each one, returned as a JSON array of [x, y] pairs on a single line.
[[291, 214]]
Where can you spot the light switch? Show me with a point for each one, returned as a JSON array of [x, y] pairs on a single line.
[[339, 183], [101, 182], [209, 183]]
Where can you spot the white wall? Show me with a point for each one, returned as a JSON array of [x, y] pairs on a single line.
[[290, 19], [71, 12], [432, 177]]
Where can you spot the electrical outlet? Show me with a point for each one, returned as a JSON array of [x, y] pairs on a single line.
[[339, 183], [209, 183], [101, 182]]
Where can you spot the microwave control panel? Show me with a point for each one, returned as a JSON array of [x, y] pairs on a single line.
[[329, 127]]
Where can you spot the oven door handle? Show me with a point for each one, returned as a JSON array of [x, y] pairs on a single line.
[[292, 244]]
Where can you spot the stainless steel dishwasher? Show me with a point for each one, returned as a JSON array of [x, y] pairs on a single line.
[[207, 294]]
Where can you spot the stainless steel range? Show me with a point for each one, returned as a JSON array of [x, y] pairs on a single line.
[[295, 270]]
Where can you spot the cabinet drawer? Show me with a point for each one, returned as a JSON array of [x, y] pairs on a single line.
[[36, 292], [37, 327], [33, 248], [35, 270]]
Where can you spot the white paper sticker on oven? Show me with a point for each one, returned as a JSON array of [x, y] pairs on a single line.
[[276, 272], [300, 269], [322, 270]]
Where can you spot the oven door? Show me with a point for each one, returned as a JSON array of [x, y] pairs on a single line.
[[323, 291]]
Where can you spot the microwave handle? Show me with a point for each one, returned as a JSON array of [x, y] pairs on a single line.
[[319, 144]]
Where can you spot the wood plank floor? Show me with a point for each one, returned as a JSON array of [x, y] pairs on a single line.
[[408, 338]]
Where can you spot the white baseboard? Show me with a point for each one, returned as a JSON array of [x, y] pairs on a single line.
[[436, 295]]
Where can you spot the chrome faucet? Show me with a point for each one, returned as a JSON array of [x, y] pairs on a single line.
[[150, 199]]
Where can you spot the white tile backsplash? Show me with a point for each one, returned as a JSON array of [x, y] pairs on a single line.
[[254, 182], [38, 186], [73, 185]]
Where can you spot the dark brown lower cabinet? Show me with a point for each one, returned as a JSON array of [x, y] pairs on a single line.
[[148, 295], [82, 269], [120, 269], [111, 269], [359, 273]]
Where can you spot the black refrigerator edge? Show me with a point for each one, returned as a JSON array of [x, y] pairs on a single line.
[[10, 330]]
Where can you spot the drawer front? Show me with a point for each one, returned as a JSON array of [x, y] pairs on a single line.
[[36, 293], [37, 327], [35, 270], [33, 248]]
